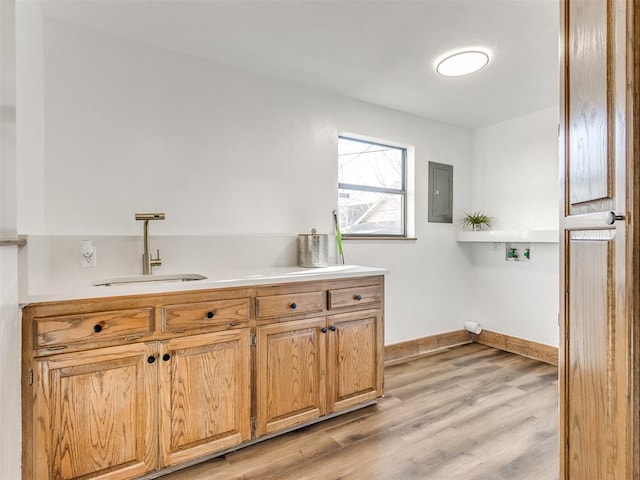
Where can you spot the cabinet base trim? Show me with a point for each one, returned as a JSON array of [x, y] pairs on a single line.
[[182, 466]]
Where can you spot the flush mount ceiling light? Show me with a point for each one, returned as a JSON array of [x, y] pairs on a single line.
[[462, 63]]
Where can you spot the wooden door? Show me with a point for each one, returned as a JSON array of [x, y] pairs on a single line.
[[290, 374], [598, 403], [95, 414], [355, 359], [205, 397]]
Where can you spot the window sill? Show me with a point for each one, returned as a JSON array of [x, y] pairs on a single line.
[[379, 238]]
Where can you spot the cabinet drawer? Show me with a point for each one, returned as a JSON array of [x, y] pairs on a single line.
[[228, 313], [93, 327], [291, 304], [349, 297]]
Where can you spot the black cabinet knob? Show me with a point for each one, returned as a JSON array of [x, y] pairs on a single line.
[[151, 359], [293, 306], [332, 328], [323, 329], [358, 297], [166, 357], [97, 328], [210, 314]]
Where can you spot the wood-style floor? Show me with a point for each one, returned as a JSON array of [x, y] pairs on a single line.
[[468, 413]]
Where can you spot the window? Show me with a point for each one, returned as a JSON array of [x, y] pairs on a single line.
[[371, 188]]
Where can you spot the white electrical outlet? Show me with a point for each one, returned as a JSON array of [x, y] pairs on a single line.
[[88, 255]]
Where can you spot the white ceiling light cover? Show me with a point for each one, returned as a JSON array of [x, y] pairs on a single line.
[[462, 62]]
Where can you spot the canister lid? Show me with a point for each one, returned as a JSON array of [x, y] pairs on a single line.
[[314, 233]]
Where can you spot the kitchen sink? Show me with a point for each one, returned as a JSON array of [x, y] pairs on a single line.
[[172, 277]]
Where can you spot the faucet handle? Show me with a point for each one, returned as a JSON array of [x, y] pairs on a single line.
[[156, 262]]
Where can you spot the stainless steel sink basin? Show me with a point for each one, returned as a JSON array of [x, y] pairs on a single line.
[[173, 277]]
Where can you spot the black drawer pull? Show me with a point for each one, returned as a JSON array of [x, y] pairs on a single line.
[[332, 328], [151, 359], [166, 357], [293, 306], [210, 314], [358, 297], [323, 329], [97, 328]]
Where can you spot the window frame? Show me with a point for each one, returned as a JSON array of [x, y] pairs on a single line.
[[402, 191]]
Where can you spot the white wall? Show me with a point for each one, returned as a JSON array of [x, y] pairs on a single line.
[[515, 171], [515, 180], [131, 128], [10, 426], [30, 121]]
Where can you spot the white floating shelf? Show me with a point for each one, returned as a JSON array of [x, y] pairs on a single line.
[[503, 236]]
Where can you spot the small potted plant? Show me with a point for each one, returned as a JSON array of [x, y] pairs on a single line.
[[475, 221]]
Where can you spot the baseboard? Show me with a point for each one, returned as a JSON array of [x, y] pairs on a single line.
[[519, 346], [411, 349], [420, 347]]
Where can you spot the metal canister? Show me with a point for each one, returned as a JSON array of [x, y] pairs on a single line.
[[312, 249]]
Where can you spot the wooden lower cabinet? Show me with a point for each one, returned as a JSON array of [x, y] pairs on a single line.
[[308, 368], [106, 413], [124, 387], [205, 403], [95, 414]]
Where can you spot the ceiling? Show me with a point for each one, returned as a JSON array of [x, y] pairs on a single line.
[[381, 52]]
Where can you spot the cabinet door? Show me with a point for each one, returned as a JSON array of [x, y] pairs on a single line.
[[205, 398], [355, 360], [290, 370], [95, 414]]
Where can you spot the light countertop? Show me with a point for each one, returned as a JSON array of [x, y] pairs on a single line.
[[220, 279]]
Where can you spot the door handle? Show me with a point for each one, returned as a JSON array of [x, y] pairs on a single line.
[[611, 217]]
